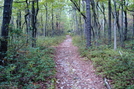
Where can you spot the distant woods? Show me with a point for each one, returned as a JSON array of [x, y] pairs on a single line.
[[110, 20]]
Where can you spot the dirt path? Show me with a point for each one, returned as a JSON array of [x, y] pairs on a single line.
[[72, 71]]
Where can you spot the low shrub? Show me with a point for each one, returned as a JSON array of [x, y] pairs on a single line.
[[27, 67], [50, 41], [36, 65]]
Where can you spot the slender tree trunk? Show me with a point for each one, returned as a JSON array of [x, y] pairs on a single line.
[[115, 20], [46, 32], [88, 24], [80, 23], [94, 21], [33, 25], [109, 20], [126, 23], [52, 22], [34, 21], [5, 28], [42, 25], [126, 26], [118, 24], [37, 10], [133, 28], [26, 19], [57, 22], [122, 25], [105, 21], [98, 22], [76, 21], [19, 19]]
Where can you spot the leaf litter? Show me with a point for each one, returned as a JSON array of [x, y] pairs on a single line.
[[72, 71]]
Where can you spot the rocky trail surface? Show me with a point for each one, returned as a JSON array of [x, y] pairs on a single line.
[[72, 71]]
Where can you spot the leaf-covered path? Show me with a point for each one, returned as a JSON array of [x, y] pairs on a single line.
[[72, 71]]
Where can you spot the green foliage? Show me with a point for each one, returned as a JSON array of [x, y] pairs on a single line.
[[32, 65], [50, 41], [26, 66], [117, 66]]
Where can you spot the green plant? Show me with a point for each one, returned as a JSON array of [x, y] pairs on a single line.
[[117, 66], [27, 65], [50, 41]]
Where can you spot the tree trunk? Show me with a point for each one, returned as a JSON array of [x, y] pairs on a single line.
[[42, 24], [33, 25], [18, 19], [126, 23], [52, 34], [94, 22], [109, 20], [118, 24], [5, 28], [27, 19], [133, 28], [46, 32], [88, 24], [115, 20], [34, 21], [76, 22], [80, 22], [104, 20], [122, 25], [126, 26]]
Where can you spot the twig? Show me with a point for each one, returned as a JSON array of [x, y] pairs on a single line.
[[120, 53], [107, 84], [78, 8]]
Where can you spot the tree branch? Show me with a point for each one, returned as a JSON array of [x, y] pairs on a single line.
[[78, 8]]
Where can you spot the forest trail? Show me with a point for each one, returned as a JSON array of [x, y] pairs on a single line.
[[73, 72]]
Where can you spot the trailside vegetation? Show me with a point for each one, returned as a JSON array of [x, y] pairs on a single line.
[[28, 67], [115, 66]]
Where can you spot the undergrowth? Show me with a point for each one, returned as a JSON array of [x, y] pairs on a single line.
[[50, 41], [117, 66], [28, 67]]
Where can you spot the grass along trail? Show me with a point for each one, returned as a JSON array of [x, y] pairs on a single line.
[[72, 71]]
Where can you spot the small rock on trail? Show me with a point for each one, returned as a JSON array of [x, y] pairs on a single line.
[[72, 71]]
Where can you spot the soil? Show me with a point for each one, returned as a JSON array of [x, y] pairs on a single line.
[[73, 72]]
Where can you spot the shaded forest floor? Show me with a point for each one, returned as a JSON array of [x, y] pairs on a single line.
[[73, 71]]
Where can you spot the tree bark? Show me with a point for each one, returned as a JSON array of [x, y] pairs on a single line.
[[88, 24], [80, 22], [52, 34], [104, 19], [33, 24], [18, 19], [27, 19], [5, 28], [46, 32], [34, 21], [76, 21], [133, 28], [118, 24], [126, 25], [122, 28], [109, 20], [115, 20]]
